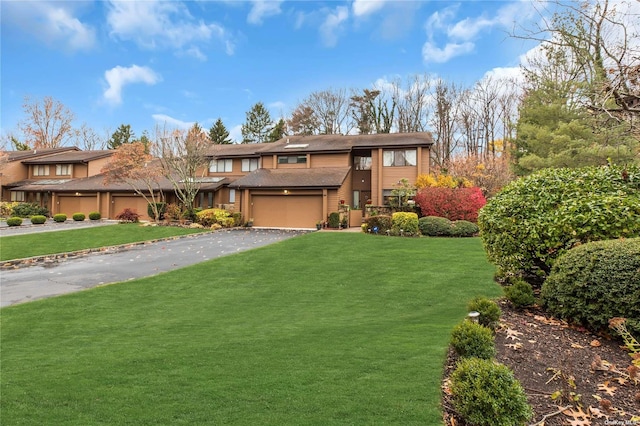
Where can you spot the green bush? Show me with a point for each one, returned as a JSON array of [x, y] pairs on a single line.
[[78, 217], [14, 221], [595, 282], [6, 208], [378, 224], [435, 226], [161, 210], [209, 217], [489, 311], [237, 219], [470, 339], [463, 228], [404, 223], [38, 219], [334, 220], [95, 216], [535, 219], [60, 217], [29, 209], [520, 293], [487, 394]]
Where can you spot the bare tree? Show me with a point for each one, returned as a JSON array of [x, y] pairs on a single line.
[[303, 121], [447, 100], [47, 123], [87, 138], [412, 103], [331, 108]]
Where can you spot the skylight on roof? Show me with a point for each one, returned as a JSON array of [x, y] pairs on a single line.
[[296, 145]]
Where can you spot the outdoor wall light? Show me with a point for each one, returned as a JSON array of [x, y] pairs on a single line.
[[286, 191]]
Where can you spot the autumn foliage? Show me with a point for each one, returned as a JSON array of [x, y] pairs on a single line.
[[452, 203]]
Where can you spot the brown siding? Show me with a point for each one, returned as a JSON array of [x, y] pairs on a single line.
[[330, 160], [392, 175], [96, 165], [79, 170]]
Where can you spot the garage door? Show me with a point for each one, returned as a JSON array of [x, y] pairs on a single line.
[[77, 204], [289, 211], [137, 204]]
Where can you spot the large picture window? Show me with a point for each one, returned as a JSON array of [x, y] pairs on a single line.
[[399, 158], [221, 166], [41, 170], [249, 164]]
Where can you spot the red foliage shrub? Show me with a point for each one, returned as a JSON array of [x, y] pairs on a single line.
[[128, 215], [452, 203]]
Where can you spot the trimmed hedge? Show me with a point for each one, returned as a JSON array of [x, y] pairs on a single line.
[[14, 221], [404, 223], [209, 217], [488, 309], [38, 219], [595, 282], [95, 216], [60, 217], [520, 293], [536, 219], [469, 339], [434, 226], [464, 228], [78, 217], [28, 210]]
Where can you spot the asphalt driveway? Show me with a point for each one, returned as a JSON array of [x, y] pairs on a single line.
[[75, 274]]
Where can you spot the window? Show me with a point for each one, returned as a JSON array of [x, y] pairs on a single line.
[[63, 169], [18, 196], [356, 199], [41, 170], [292, 159], [399, 158], [361, 163], [249, 164], [220, 166], [232, 196]]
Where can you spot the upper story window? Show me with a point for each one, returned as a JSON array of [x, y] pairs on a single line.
[[292, 159], [63, 169], [249, 164], [41, 170], [220, 166], [361, 163], [399, 158]]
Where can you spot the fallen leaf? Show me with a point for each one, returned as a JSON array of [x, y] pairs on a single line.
[[576, 346], [514, 346], [596, 412], [513, 334], [621, 380], [595, 343], [604, 387]]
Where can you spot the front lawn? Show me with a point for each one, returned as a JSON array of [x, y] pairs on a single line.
[[322, 329], [44, 243]]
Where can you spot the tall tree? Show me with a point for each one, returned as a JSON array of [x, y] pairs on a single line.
[[258, 125], [47, 123], [218, 133], [278, 131], [412, 103], [331, 109], [303, 121], [87, 138], [122, 135]]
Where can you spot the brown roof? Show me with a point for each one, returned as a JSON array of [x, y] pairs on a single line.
[[293, 178], [35, 153], [71, 157]]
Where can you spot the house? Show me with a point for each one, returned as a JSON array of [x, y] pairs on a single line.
[[292, 183]]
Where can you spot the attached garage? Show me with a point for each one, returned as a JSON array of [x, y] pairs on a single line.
[[70, 204], [287, 211], [133, 202]]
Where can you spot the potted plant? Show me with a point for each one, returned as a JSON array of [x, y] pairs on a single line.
[[319, 224]]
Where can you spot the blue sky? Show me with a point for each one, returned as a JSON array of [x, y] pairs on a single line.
[[154, 62]]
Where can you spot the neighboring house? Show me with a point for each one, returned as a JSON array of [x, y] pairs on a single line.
[[292, 183]]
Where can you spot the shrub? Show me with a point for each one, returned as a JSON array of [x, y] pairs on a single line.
[[595, 282], [60, 217], [378, 224], [161, 209], [469, 339], [78, 217], [208, 217], [38, 219], [487, 394], [489, 311], [6, 208], [452, 203], [520, 293], [334, 220], [404, 223], [463, 228], [128, 215], [29, 209], [434, 226], [535, 219], [237, 219], [14, 221], [95, 216]]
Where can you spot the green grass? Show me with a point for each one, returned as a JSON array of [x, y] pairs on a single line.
[[44, 243], [321, 329]]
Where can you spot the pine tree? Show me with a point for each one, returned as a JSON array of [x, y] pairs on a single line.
[[219, 134], [278, 131], [121, 136], [258, 126]]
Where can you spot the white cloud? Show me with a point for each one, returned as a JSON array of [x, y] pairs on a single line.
[[433, 53], [332, 25], [235, 133], [366, 7], [279, 105], [261, 9], [154, 24], [51, 22], [172, 122], [118, 77]]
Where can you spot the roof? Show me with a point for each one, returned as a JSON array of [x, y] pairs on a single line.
[[35, 153], [71, 157], [293, 178], [323, 143]]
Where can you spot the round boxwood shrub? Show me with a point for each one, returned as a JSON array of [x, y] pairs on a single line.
[[464, 228], [489, 311], [38, 219], [520, 293], [434, 226], [14, 221], [95, 216], [595, 282], [487, 394], [60, 217], [470, 339], [78, 217], [535, 219], [334, 220]]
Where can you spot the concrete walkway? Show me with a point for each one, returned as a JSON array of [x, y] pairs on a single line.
[[137, 261]]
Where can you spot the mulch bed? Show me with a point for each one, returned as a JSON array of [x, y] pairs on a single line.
[[571, 376]]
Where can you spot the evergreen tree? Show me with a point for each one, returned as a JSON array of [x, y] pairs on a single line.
[[258, 126], [121, 136], [278, 131], [219, 134]]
